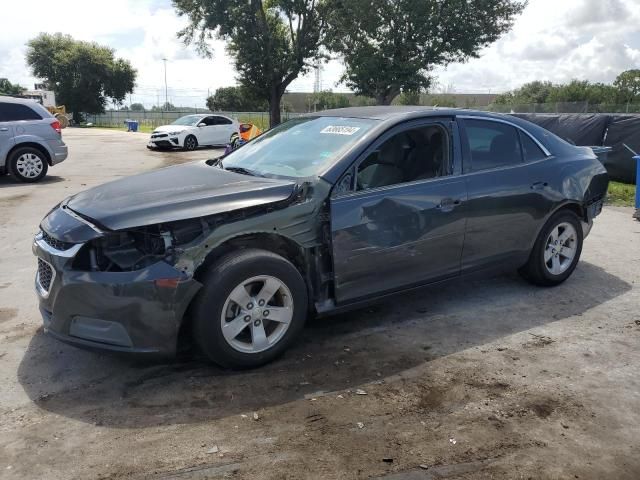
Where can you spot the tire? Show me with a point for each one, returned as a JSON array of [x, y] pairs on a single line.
[[190, 143], [242, 344], [551, 263], [28, 164]]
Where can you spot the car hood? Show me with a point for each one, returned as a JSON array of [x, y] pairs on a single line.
[[175, 193], [172, 128]]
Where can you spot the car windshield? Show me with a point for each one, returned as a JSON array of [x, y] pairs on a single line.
[[189, 120], [301, 147]]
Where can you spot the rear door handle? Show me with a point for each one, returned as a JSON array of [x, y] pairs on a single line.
[[448, 204], [4, 129], [539, 185]]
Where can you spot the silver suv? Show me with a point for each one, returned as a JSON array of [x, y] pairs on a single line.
[[30, 139]]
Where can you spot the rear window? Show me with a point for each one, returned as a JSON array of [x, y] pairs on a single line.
[[531, 151], [14, 112], [492, 144]]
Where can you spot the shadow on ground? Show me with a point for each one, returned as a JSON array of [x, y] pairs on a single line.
[[334, 353], [8, 181]]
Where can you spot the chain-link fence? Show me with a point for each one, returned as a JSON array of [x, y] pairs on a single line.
[[149, 119], [564, 107]]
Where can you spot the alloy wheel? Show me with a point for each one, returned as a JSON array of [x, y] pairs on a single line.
[[190, 143], [560, 249], [257, 314]]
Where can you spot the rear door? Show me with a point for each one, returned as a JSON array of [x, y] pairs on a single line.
[[223, 129], [6, 135], [207, 132], [398, 216], [507, 176]]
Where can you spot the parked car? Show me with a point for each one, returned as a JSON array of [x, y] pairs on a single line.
[[322, 213], [30, 139], [191, 131]]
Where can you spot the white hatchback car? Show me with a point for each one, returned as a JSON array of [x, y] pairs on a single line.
[[191, 131]]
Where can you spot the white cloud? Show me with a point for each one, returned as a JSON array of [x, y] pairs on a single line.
[[556, 41], [552, 40], [142, 31]]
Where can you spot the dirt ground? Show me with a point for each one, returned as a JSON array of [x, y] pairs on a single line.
[[489, 378]]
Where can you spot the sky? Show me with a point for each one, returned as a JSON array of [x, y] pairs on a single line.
[[555, 40]]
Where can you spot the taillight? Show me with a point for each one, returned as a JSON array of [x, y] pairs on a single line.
[[56, 126]]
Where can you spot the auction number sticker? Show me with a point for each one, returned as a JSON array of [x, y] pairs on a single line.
[[340, 130]]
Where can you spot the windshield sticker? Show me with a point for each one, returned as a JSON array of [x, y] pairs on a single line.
[[340, 130]]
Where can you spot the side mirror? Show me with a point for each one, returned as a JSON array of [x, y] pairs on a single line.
[[202, 124]]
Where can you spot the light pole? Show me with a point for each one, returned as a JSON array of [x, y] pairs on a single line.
[[166, 94]]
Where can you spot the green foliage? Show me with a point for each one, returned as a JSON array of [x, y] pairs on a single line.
[[628, 85], [165, 107], [409, 98], [271, 42], [625, 90], [621, 194], [534, 92], [326, 100], [8, 88], [137, 107], [83, 75], [389, 47], [235, 99], [362, 101], [441, 100]]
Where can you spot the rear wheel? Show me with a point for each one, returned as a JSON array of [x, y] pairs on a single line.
[[28, 164], [556, 252], [190, 143], [252, 306]]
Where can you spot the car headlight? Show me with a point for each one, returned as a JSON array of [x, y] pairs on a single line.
[[174, 133]]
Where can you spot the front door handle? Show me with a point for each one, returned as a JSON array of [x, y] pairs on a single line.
[[4, 129], [448, 204], [539, 185]]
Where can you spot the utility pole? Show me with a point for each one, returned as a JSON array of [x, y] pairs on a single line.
[[166, 91]]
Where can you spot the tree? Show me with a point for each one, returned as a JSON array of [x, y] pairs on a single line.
[[8, 88], [326, 100], [409, 98], [83, 75], [165, 107], [533, 92], [137, 107], [271, 42], [628, 85], [235, 99], [391, 46]]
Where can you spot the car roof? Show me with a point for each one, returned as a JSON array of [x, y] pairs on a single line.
[[404, 111], [389, 116], [24, 101]]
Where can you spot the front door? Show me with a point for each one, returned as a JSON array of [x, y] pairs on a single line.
[[402, 221]]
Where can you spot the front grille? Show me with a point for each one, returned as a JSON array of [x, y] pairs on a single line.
[[55, 243], [45, 275], [159, 135]]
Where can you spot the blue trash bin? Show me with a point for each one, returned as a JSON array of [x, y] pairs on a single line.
[[133, 126]]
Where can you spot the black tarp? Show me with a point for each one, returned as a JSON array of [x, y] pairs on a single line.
[[596, 129], [620, 164], [581, 129]]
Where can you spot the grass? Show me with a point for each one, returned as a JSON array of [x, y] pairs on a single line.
[[141, 128], [621, 194]]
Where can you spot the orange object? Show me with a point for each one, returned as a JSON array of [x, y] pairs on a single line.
[[249, 131]]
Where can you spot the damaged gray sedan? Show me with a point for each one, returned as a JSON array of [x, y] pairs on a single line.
[[322, 213]]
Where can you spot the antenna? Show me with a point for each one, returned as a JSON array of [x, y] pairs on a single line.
[[317, 83]]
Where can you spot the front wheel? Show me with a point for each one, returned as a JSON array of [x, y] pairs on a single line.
[[251, 308], [556, 252], [28, 164], [190, 143]]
